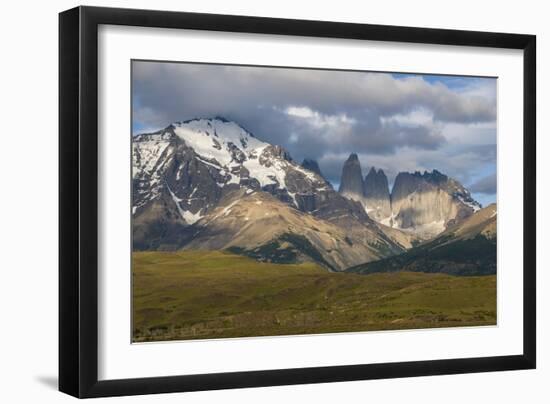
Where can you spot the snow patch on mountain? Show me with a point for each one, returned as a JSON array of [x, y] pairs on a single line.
[[214, 139], [272, 175], [226, 146], [471, 203], [188, 216], [147, 154]]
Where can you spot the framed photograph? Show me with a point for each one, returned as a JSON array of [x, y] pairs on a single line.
[[251, 201]]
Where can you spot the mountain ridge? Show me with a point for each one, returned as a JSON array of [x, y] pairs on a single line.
[[258, 225], [185, 173], [421, 203], [466, 248]]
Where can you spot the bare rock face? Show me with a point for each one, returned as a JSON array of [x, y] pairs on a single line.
[[260, 226], [313, 166], [377, 195], [428, 203], [351, 182]]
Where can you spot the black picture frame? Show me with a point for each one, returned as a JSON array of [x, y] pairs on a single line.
[[78, 201]]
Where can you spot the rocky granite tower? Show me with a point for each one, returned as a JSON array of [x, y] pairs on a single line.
[[377, 195], [429, 202], [351, 182]]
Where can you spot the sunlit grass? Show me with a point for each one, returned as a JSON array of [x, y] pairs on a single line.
[[198, 294]]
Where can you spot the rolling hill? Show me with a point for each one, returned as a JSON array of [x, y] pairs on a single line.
[[185, 295], [467, 248]]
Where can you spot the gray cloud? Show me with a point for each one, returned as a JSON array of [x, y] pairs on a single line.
[[194, 89], [395, 123], [486, 185]]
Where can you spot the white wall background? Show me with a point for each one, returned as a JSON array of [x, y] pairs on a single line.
[[28, 200]]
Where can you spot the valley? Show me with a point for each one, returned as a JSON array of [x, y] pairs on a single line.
[[213, 294]]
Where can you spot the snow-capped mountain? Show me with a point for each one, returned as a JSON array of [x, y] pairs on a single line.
[[195, 160], [184, 173]]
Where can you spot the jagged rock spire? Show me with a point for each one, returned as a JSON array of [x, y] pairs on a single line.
[[377, 194], [351, 182], [312, 165]]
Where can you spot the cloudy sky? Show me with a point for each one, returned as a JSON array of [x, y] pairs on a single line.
[[397, 122]]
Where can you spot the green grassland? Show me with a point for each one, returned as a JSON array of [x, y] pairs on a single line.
[[197, 294]]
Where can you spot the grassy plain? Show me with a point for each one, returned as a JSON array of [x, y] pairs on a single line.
[[197, 294]]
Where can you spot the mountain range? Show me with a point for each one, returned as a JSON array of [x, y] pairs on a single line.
[[422, 203], [211, 184]]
